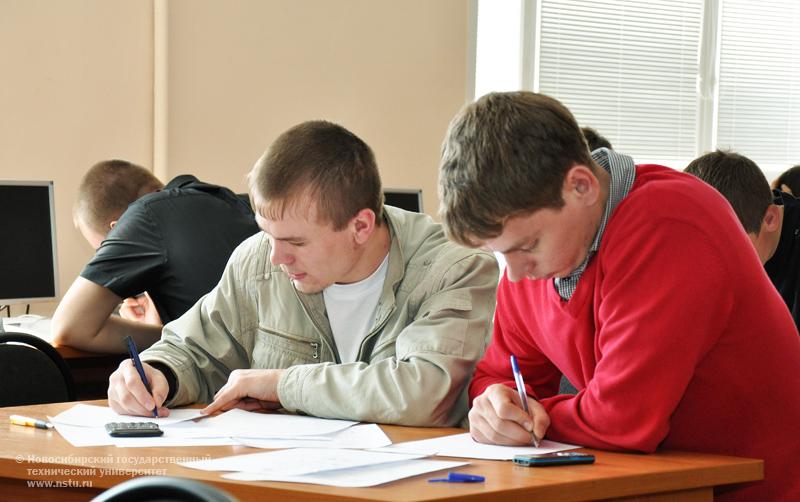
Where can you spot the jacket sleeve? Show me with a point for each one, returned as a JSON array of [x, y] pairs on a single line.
[[424, 383], [209, 341]]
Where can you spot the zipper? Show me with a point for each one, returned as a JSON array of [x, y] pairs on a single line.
[[378, 329], [314, 345]]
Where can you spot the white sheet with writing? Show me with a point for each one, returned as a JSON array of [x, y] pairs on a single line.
[[298, 461], [241, 423], [357, 477], [85, 415], [463, 446]]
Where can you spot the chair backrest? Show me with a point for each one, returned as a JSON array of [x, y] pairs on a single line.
[[163, 489], [32, 372]]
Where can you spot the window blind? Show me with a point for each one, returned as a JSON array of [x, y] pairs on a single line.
[[627, 69], [759, 81]]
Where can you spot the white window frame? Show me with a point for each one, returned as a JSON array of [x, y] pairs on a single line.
[[708, 63]]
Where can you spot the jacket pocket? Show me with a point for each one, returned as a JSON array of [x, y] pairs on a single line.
[[275, 349]]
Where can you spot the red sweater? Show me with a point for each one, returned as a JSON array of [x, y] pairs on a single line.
[[675, 338]]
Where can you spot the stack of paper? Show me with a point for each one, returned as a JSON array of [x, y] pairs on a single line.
[[83, 425], [31, 324], [462, 445], [334, 467]]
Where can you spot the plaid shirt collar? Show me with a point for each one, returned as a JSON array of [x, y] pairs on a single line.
[[623, 172]]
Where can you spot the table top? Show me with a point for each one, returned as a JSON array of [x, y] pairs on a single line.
[[23, 450]]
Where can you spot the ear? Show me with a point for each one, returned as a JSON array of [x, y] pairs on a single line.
[[112, 224], [581, 184], [772, 219], [363, 225]]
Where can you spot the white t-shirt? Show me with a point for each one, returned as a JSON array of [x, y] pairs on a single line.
[[351, 310]]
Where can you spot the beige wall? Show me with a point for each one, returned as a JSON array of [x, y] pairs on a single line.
[[76, 87], [79, 87], [393, 72]]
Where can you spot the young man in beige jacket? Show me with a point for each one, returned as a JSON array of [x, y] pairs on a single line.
[[340, 308]]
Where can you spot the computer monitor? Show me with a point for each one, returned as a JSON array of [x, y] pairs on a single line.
[[28, 265], [409, 199]]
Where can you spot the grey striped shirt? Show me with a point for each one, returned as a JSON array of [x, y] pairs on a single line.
[[623, 172]]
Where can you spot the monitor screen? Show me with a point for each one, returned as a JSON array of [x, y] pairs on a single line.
[[28, 270], [409, 199]]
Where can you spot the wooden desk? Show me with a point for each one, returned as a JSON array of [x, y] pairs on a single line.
[[90, 371], [33, 455]]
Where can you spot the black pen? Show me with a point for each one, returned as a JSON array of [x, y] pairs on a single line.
[[138, 363]]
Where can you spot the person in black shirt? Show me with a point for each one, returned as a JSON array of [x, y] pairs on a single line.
[[770, 218], [788, 181], [158, 247]]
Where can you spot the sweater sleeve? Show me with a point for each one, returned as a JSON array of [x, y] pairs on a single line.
[[659, 309], [541, 376]]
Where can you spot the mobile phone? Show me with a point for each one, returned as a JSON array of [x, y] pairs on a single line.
[[133, 429], [557, 458]]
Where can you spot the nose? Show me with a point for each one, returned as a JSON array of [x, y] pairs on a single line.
[[279, 254], [517, 268]]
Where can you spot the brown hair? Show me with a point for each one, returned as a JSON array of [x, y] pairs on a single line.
[[505, 154], [594, 139], [107, 189], [740, 181], [325, 160], [790, 178]]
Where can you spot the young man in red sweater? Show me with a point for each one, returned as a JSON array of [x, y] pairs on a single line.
[[635, 282]]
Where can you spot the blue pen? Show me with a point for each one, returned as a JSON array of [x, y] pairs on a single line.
[[138, 363], [458, 477], [522, 395]]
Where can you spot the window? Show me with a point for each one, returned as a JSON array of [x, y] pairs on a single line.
[[759, 81], [663, 81]]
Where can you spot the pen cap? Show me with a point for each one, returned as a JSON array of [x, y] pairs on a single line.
[[460, 477]]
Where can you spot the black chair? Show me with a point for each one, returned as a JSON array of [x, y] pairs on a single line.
[[163, 489], [32, 372]]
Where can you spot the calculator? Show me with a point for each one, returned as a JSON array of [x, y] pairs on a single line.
[[133, 429]]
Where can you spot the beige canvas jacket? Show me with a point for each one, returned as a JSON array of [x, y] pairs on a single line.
[[432, 323]]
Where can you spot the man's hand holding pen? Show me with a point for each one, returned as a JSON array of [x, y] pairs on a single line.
[[497, 417]]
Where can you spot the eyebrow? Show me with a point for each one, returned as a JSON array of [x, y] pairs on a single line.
[[520, 244], [288, 238]]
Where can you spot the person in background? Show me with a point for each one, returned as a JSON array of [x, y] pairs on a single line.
[[771, 219], [788, 181], [340, 308], [594, 139], [635, 281], [160, 248]]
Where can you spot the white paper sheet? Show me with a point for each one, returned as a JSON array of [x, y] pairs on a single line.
[[83, 436], [358, 477], [241, 423], [462, 445], [31, 324], [85, 415], [169, 441], [361, 436], [298, 461], [173, 436]]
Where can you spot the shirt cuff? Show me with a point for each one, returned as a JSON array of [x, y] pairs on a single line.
[[172, 379]]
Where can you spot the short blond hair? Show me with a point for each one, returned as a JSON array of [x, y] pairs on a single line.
[[107, 189]]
